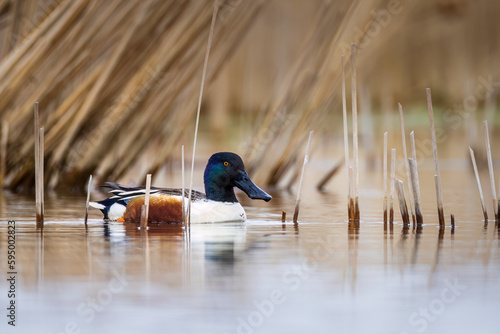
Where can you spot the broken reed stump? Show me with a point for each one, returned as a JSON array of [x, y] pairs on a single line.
[[350, 203], [407, 167], [299, 192], [88, 200], [478, 183], [490, 169], [452, 217], [39, 161], [283, 216], [385, 177], [416, 190], [393, 177], [205, 64], [402, 201], [145, 206], [355, 131], [436, 165]]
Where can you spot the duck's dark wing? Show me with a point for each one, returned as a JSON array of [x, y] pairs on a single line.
[[122, 192]]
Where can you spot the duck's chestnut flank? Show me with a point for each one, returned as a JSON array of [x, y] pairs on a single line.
[[161, 209]]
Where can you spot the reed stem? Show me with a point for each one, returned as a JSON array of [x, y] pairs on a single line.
[[41, 160], [145, 207], [412, 143], [402, 201], [385, 177], [350, 204], [183, 188], [478, 183], [452, 217], [416, 190], [415, 181], [346, 138], [407, 167], [89, 187], [205, 65], [393, 177], [436, 165], [283, 216], [299, 192], [355, 130], [490, 168], [38, 168]]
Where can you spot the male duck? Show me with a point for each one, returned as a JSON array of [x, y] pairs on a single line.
[[224, 171]]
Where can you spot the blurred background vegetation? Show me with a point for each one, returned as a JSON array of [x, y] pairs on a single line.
[[118, 81]]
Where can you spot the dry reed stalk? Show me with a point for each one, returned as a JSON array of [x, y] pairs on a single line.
[[355, 130], [402, 201], [393, 177], [139, 86], [436, 165], [41, 175], [413, 149], [478, 183], [298, 83], [154, 88], [350, 204], [38, 51], [498, 211], [385, 177], [37, 163], [346, 136], [183, 188], [210, 35], [89, 187], [111, 64], [299, 191], [3, 151], [14, 57], [38, 170], [407, 167], [145, 206], [234, 37], [416, 190], [283, 216], [490, 168]]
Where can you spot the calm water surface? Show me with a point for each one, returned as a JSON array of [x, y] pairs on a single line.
[[320, 276]]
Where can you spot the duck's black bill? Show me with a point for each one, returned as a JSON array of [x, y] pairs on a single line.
[[244, 183]]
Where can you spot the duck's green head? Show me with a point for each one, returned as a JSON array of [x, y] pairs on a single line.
[[224, 171]]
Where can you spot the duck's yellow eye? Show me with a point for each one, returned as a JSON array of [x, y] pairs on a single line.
[[226, 163]]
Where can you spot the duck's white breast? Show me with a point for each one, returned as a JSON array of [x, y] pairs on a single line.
[[208, 211]]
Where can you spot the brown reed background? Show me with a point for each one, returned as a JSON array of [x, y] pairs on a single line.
[[118, 81]]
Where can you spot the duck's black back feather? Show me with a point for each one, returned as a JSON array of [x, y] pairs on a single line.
[[121, 191]]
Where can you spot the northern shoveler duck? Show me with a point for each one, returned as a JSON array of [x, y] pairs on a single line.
[[224, 171]]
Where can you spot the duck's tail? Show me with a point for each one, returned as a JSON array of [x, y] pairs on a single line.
[[112, 208]]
